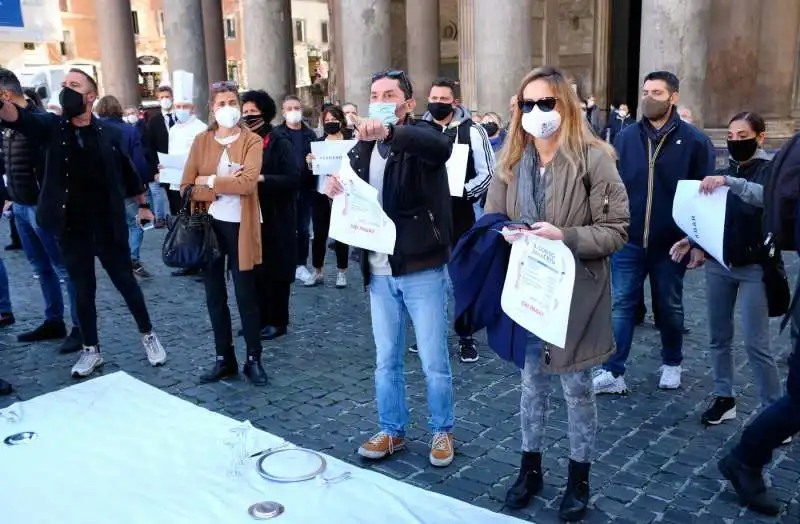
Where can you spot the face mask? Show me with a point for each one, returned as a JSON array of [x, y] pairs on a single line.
[[590, 104], [351, 120], [294, 117], [72, 103], [653, 109], [541, 124], [491, 128], [132, 119], [183, 115], [227, 116], [165, 103], [253, 122], [331, 128], [622, 114], [440, 110], [742, 150], [384, 112]]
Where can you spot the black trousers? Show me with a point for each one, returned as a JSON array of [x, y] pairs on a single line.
[[244, 285], [273, 299], [174, 200], [321, 217], [78, 249]]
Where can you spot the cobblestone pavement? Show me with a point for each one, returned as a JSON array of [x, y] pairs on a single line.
[[655, 463]]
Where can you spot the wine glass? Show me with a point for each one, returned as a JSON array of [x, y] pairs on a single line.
[[13, 413]]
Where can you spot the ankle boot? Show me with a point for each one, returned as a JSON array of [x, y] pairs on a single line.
[[225, 366], [576, 496], [529, 481], [749, 485], [254, 371]]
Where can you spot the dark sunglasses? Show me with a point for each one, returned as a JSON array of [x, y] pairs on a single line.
[[398, 75], [225, 84], [546, 104]]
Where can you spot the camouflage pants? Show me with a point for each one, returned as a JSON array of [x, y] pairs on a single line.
[[581, 407]]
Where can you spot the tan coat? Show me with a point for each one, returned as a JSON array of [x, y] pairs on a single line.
[[595, 225], [203, 160]]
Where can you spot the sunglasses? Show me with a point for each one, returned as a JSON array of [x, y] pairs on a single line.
[[398, 75], [545, 105], [225, 84]]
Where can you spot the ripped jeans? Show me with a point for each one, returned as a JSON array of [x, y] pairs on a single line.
[[581, 406]]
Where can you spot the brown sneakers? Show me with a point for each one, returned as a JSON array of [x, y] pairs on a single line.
[[442, 449], [380, 445]]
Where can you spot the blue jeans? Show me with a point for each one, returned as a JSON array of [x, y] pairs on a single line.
[[423, 296], [41, 250], [629, 268], [160, 203], [135, 231], [478, 210], [5, 296]]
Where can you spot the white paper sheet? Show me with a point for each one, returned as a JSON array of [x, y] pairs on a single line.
[[457, 169], [156, 459], [172, 170], [357, 218], [537, 293], [701, 216], [328, 155]]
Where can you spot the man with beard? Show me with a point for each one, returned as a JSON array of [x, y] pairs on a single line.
[[82, 201]]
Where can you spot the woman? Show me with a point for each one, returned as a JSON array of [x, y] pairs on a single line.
[[556, 176], [748, 171], [277, 194], [223, 168], [493, 125], [334, 125]]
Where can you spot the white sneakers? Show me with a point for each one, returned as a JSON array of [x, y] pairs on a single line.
[[302, 273], [90, 359], [605, 382], [314, 279], [341, 280], [670, 377]]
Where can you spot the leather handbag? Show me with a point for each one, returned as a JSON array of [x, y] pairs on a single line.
[[190, 242]]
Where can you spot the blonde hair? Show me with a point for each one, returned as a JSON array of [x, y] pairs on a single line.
[[575, 134]]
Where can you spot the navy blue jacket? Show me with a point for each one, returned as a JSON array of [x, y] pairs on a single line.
[[684, 153], [132, 145], [478, 271]]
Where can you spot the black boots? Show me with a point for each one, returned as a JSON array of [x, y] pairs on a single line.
[[224, 367], [48, 330], [529, 481], [73, 343], [749, 485], [576, 496], [254, 371], [5, 388]]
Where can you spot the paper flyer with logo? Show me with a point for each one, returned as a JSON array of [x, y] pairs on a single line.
[[701, 216], [537, 293], [328, 155]]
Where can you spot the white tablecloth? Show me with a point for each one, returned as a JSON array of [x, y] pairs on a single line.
[[114, 450]]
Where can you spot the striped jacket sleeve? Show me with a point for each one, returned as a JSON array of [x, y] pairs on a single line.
[[484, 161]]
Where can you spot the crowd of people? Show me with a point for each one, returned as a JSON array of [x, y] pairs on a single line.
[[83, 176]]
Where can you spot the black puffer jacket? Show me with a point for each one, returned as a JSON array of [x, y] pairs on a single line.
[[24, 164]]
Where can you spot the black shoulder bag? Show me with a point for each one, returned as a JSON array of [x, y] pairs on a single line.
[[190, 242]]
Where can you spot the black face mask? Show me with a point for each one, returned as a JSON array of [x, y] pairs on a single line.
[[253, 122], [440, 110], [491, 128], [331, 128], [742, 150], [72, 103]]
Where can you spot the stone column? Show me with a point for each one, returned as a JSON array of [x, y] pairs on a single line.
[[183, 21], [602, 53], [674, 38], [268, 46], [366, 46], [423, 47], [213, 30], [503, 50], [117, 50], [777, 54], [552, 41], [466, 53]]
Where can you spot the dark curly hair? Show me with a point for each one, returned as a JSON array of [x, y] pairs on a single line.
[[263, 102]]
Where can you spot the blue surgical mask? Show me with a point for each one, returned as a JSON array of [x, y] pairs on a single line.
[[385, 112], [183, 115]]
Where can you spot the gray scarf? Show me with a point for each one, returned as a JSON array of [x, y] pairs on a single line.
[[532, 187]]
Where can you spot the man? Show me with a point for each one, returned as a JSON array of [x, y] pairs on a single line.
[[455, 121], [157, 136], [301, 136], [350, 111], [405, 162], [24, 165], [653, 156], [593, 114], [109, 110], [619, 120], [187, 125], [82, 201]]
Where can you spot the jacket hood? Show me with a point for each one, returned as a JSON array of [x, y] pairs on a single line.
[[460, 114]]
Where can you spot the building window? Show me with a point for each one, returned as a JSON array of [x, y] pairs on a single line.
[[161, 24], [63, 6], [29, 46], [325, 32], [67, 45], [135, 21], [230, 28], [233, 71], [299, 30]]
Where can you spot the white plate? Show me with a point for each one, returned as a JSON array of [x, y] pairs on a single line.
[[291, 465]]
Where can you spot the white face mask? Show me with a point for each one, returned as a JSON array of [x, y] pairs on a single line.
[[227, 116], [165, 103], [183, 115], [132, 119], [541, 124], [622, 113], [294, 117]]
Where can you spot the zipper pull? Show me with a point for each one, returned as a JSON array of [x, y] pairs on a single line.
[[547, 354]]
